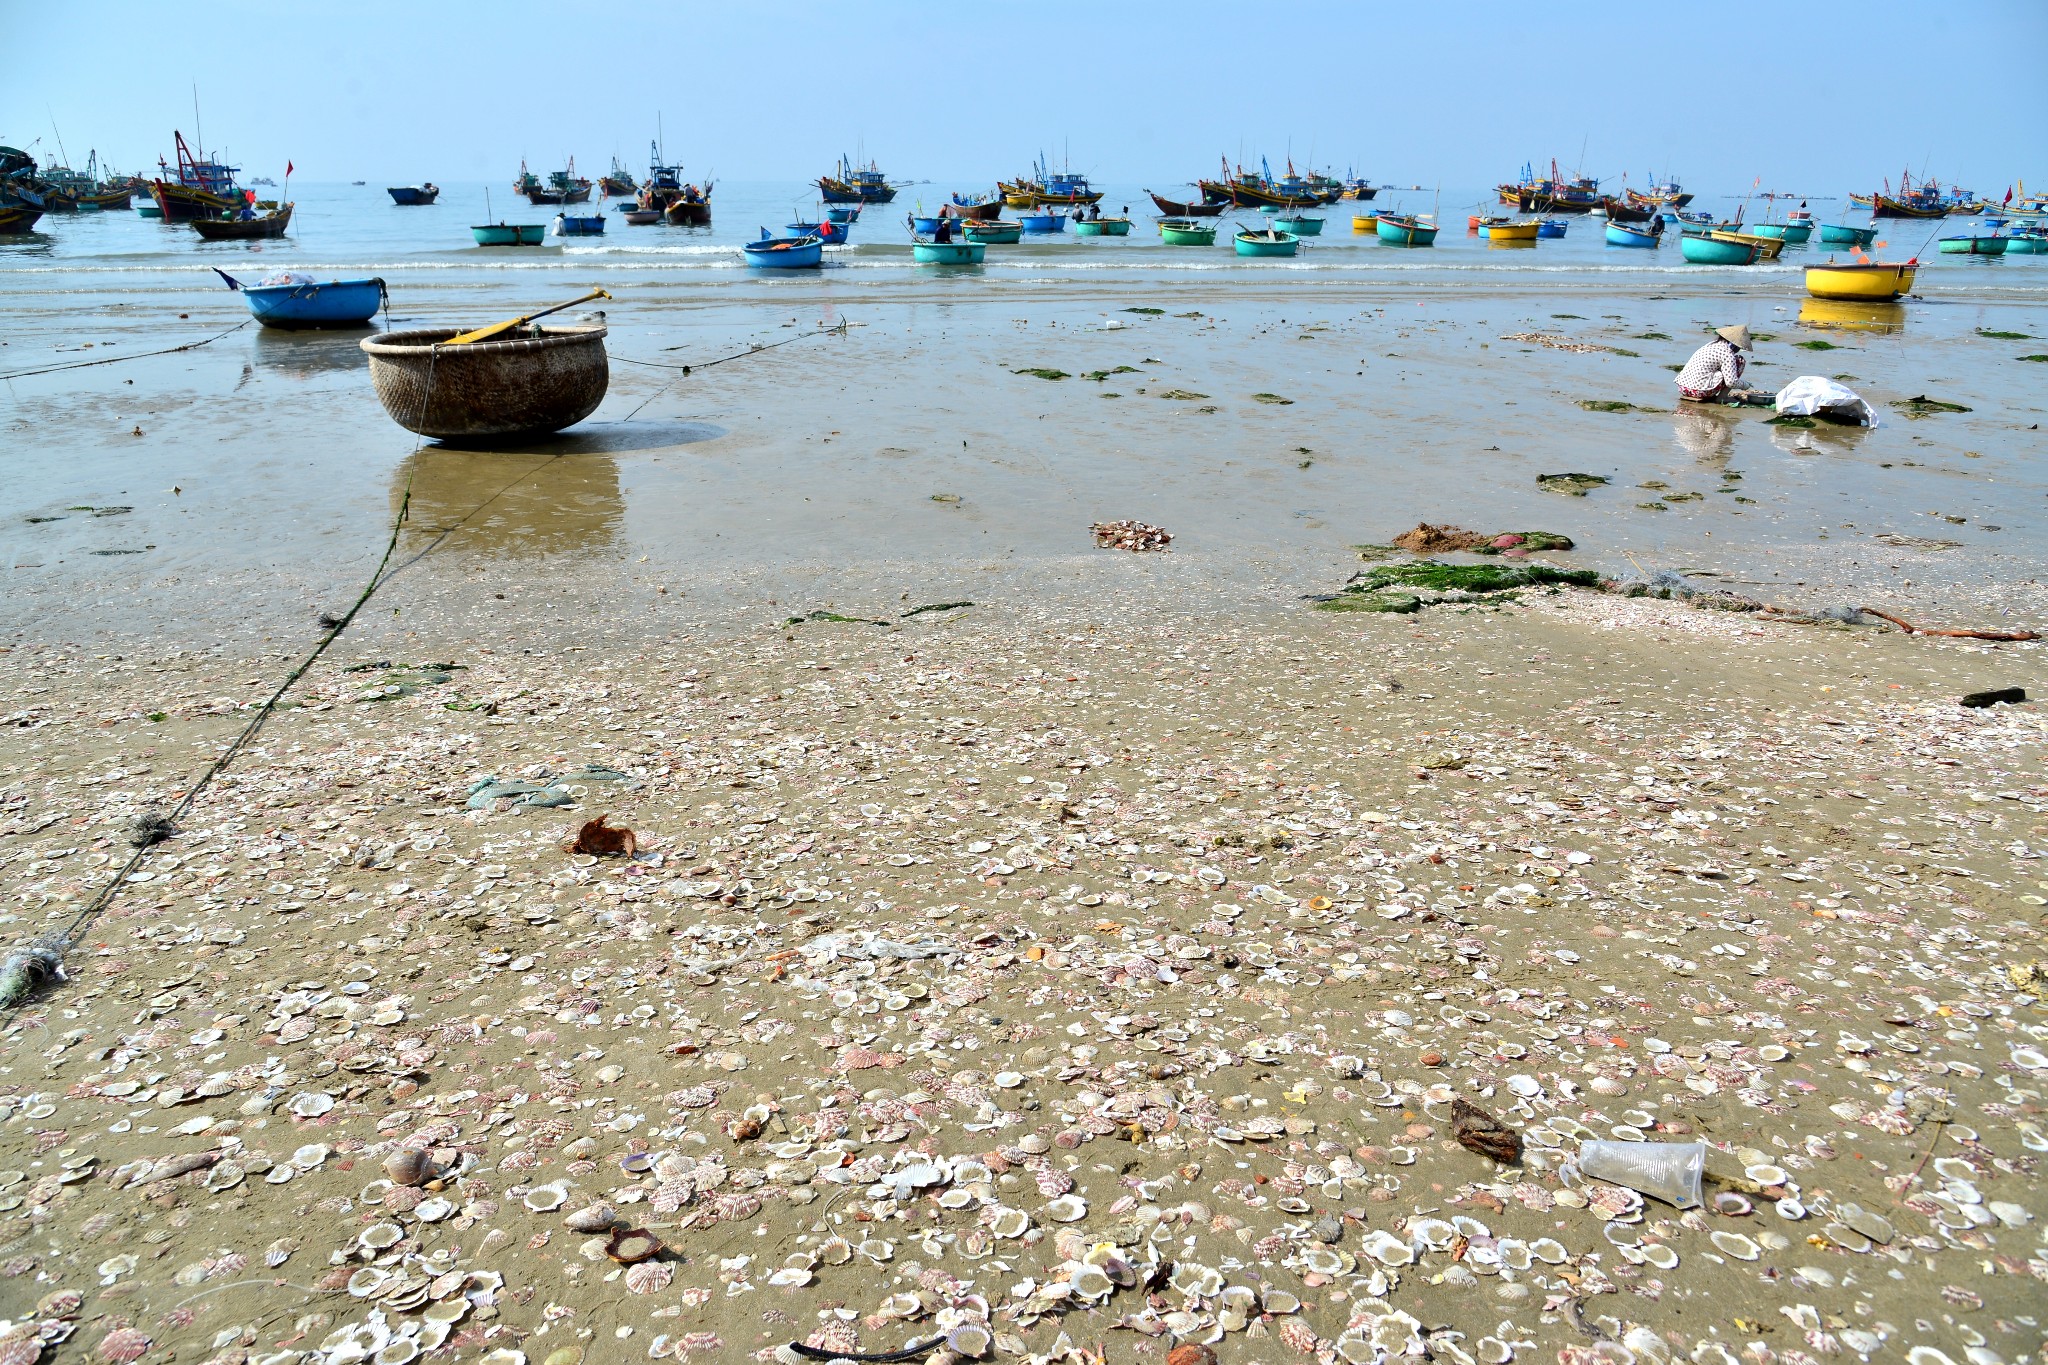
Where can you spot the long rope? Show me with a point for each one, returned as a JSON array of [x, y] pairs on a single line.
[[116, 359]]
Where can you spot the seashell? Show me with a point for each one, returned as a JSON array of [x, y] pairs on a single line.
[[1659, 1255], [1092, 1284], [1548, 1250], [400, 1352], [546, 1198], [1322, 1260], [1790, 1209], [789, 1277], [598, 1217], [1279, 1301], [446, 1310], [381, 1236], [1386, 1248], [433, 1210], [367, 1281], [901, 1307], [1034, 1144], [970, 1339], [311, 1156], [1068, 1208], [579, 1149], [1765, 1174], [651, 1277], [225, 1175], [1732, 1205], [630, 1245], [1008, 1223], [122, 1345], [1927, 1355], [1864, 1221], [835, 1251], [1434, 1233], [877, 1250], [410, 1166], [1736, 1245], [1492, 1351], [1292, 1204], [310, 1104]]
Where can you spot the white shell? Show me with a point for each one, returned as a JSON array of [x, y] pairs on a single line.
[[835, 1251], [310, 1104], [433, 1210], [546, 1198], [789, 1277], [1091, 1283], [1009, 1222], [1068, 1208], [1736, 1245], [381, 1236], [1009, 1080], [1548, 1250], [311, 1155], [1659, 1255], [1766, 1174], [1434, 1233], [1197, 1281], [1386, 1248], [1279, 1301]]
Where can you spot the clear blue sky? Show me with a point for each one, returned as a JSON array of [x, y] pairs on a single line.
[[1822, 97]]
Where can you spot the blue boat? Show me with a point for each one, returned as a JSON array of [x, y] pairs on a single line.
[[831, 232], [579, 225], [1550, 227], [1043, 222], [1834, 234], [414, 194], [1630, 234], [785, 253], [299, 301], [842, 213], [948, 253], [924, 223]]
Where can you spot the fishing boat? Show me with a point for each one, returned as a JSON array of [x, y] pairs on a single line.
[[199, 187], [1179, 231], [1552, 193], [1701, 249], [1254, 190], [986, 207], [1991, 244], [1362, 190], [856, 184], [1551, 228], [526, 381], [1175, 208], [407, 196], [1102, 227], [926, 223], [639, 217], [1270, 242], [1624, 211], [1042, 220], [107, 199], [251, 229], [1862, 280], [510, 234], [828, 232], [784, 253], [948, 253], [1399, 229], [1884, 206], [1509, 230], [294, 302], [617, 181], [17, 218], [992, 231], [2027, 242], [1363, 223], [1791, 234], [1634, 234], [691, 208], [1767, 248], [1297, 223], [579, 224], [561, 187]]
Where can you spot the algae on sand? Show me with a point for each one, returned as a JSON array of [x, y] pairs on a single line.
[[1576, 485], [1041, 372], [1922, 406], [1433, 575], [1182, 395], [1272, 398], [1611, 405]]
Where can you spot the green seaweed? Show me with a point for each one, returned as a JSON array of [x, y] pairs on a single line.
[[933, 606], [2034, 357], [1652, 336], [1148, 312], [1400, 603], [1433, 575], [1816, 345], [1099, 375], [1182, 395], [2003, 336], [1272, 398], [822, 615], [1922, 406], [1041, 372], [1610, 405], [159, 716], [1791, 419], [1576, 485]]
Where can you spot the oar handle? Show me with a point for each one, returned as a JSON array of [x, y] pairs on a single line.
[[495, 328]]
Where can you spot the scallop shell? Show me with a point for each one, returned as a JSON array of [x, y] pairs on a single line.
[[1034, 1144], [1434, 1233], [310, 1104], [598, 1217], [630, 1245], [1736, 1245], [1009, 1223], [651, 1277], [1548, 1250], [1279, 1301], [122, 1345], [1009, 1080], [1092, 1284], [546, 1198], [835, 1251], [367, 1281], [1068, 1208], [400, 1352], [1386, 1248], [1322, 1260], [1659, 1255], [1292, 1204], [1197, 1281], [433, 1210], [1790, 1209], [969, 1339], [1763, 1173], [311, 1156], [1928, 1355], [789, 1277], [381, 1236], [409, 1166]]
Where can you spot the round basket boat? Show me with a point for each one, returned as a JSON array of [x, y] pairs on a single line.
[[525, 382]]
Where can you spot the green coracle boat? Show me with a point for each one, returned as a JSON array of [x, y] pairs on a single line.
[[510, 234], [1832, 234], [1793, 234], [1271, 242], [1396, 230], [1101, 227], [1704, 250], [1186, 232], [1299, 225], [992, 232]]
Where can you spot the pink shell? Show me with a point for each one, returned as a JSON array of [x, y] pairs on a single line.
[[21, 1347], [648, 1277], [122, 1345]]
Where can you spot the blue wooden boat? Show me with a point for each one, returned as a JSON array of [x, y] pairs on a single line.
[[1701, 249], [925, 223], [510, 234], [842, 213], [785, 253], [1551, 227], [1397, 229], [1042, 222], [579, 225], [1833, 234], [1634, 234], [414, 194], [302, 302], [948, 253], [829, 232]]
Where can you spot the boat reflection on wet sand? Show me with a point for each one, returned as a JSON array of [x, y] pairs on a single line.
[[1850, 315]]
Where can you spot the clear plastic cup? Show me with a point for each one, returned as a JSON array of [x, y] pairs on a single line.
[[1669, 1171]]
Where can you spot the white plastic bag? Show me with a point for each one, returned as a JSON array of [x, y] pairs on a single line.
[[1810, 393]]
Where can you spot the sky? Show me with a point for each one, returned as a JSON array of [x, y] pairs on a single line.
[[1805, 96]]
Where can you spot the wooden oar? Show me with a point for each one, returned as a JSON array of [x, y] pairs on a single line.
[[486, 333]]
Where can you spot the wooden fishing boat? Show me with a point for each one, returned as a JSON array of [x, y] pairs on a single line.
[[1863, 201], [18, 218], [526, 381], [948, 253], [253, 229], [1042, 221], [855, 184], [1257, 190], [408, 196], [1791, 234], [1635, 234], [510, 234], [1271, 242], [617, 181], [691, 207], [1298, 224], [1102, 227], [1767, 248], [639, 217], [1018, 194], [579, 225], [561, 187], [1363, 223], [1884, 206], [985, 208], [784, 253], [1623, 211], [1397, 229], [1862, 280], [202, 188], [992, 231], [1990, 245], [1053, 189], [1186, 232], [1361, 190], [1509, 230], [1174, 208], [1701, 249], [301, 303]]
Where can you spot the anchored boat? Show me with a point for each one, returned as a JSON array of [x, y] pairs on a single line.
[[251, 229], [202, 187], [1175, 208], [1397, 229], [510, 234], [785, 253], [295, 302], [856, 184], [1186, 232], [1718, 249], [561, 187], [992, 231], [1102, 227], [407, 196], [1860, 280], [1271, 242]]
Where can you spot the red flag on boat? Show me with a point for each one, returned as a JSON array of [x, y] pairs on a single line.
[[287, 168], [2008, 195]]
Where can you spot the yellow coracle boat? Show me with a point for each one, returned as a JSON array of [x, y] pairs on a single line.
[[1879, 280], [1767, 248], [1510, 232], [1365, 222]]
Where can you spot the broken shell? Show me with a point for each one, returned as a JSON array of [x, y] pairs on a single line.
[[546, 1198], [789, 1277], [367, 1281], [596, 1218], [1736, 1245], [433, 1210], [628, 1245], [1386, 1248], [1548, 1250], [409, 1166], [1790, 1209], [310, 1156], [1009, 1223], [1659, 1255], [1197, 1281]]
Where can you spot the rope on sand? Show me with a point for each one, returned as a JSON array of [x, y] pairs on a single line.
[[116, 359]]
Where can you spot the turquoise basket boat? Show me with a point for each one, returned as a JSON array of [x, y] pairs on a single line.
[[1626, 234], [2027, 244], [1833, 234], [1297, 224], [948, 253], [785, 253], [1272, 242], [1974, 246], [1102, 227], [330, 303], [1703, 250], [1186, 232], [510, 234], [1792, 234], [995, 232], [1395, 230]]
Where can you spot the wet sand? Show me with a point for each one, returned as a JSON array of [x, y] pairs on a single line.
[[972, 970]]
